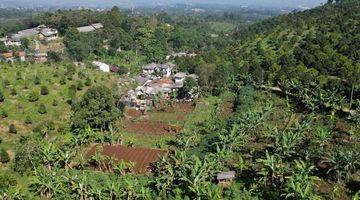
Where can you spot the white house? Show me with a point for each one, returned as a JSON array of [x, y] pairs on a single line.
[[179, 78], [48, 34], [165, 69], [149, 69], [102, 66]]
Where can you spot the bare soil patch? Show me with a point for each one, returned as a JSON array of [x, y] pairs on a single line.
[[153, 128]]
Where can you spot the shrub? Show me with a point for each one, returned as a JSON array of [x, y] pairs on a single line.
[[7, 180], [70, 77], [63, 80], [13, 92], [55, 102], [12, 129], [81, 75], [2, 96], [44, 90], [79, 86], [42, 109], [70, 69], [37, 80], [33, 96], [50, 126], [28, 120], [18, 75], [72, 92], [4, 157], [3, 113], [88, 82], [6, 82]]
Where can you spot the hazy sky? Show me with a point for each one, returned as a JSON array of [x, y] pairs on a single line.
[[272, 3]]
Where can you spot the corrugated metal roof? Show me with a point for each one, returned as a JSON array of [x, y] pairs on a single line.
[[226, 175]]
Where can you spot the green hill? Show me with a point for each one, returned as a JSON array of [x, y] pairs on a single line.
[[313, 54]]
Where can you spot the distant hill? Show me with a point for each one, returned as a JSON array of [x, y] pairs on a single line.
[[129, 3]]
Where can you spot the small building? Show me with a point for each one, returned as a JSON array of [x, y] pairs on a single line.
[[22, 56], [24, 34], [149, 69], [90, 28], [7, 42], [101, 66], [40, 57], [48, 34], [152, 68], [225, 177], [167, 69], [179, 78], [8, 57]]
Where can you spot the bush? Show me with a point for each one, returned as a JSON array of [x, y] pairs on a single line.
[[2, 96], [13, 92], [4, 157], [55, 102], [6, 82], [70, 77], [7, 180], [44, 90], [88, 82], [50, 126], [42, 109], [63, 80], [72, 92], [81, 75], [70, 69], [79, 86], [3, 113], [12, 129], [97, 109], [33, 96], [18, 75], [28, 120], [37, 80]]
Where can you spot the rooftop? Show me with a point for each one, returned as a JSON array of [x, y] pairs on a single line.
[[90, 28], [7, 55], [180, 75]]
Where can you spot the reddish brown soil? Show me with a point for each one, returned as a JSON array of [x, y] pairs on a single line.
[[186, 107], [132, 113], [141, 157], [153, 128]]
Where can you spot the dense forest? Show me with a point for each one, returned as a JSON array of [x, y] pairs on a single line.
[[277, 105]]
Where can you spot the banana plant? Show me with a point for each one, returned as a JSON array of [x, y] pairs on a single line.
[[273, 169], [301, 184], [46, 183]]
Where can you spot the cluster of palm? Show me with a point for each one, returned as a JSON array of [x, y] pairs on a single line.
[[181, 175], [53, 184]]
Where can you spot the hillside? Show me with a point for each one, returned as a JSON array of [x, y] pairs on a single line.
[[313, 54], [183, 109]]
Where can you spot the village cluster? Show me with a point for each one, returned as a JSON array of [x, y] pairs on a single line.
[[39, 34], [155, 81]]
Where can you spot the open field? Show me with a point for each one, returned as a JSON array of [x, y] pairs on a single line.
[[19, 81]]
